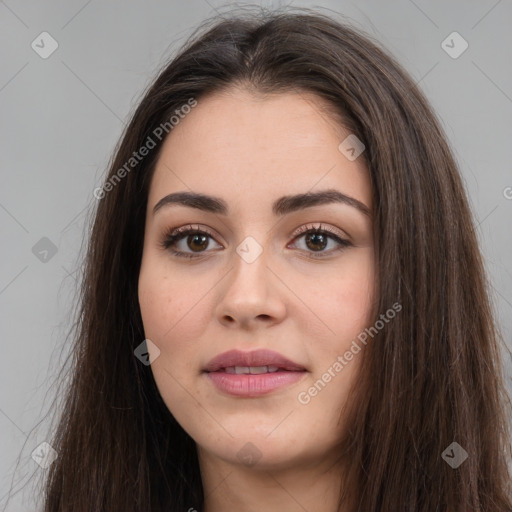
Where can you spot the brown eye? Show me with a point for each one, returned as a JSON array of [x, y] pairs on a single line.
[[197, 242], [316, 241], [192, 240]]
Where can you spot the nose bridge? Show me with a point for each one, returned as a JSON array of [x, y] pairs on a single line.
[[250, 267], [250, 288]]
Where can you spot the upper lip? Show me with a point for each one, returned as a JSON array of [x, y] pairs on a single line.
[[255, 358]]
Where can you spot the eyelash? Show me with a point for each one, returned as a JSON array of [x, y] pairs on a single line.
[[172, 236]]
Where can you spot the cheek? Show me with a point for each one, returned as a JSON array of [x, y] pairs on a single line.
[[155, 302], [347, 300], [172, 308], [345, 306], [164, 307], [354, 299]]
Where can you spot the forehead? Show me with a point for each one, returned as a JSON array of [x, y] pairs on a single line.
[[239, 145]]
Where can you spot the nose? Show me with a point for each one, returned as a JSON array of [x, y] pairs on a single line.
[[252, 294]]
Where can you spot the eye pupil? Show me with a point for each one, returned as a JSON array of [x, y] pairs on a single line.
[[314, 237], [204, 244]]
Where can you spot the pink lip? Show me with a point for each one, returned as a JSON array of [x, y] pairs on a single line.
[[254, 358], [252, 385]]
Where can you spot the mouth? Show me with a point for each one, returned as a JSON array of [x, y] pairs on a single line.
[[251, 374], [254, 362], [251, 370]]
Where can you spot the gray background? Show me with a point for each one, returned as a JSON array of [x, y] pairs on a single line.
[[61, 117]]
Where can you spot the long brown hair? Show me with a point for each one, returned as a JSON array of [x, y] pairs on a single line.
[[432, 377]]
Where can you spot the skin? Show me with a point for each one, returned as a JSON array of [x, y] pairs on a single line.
[[250, 150]]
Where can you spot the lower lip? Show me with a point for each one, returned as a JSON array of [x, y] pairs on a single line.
[[250, 385]]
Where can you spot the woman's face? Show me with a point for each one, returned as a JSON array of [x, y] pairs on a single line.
[[255, 281]]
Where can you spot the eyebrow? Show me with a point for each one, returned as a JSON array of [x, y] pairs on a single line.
[[282, 206]]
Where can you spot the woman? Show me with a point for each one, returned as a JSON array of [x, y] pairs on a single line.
[[284, 305]]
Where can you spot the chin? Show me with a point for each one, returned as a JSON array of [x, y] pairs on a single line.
[[261, 452]]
